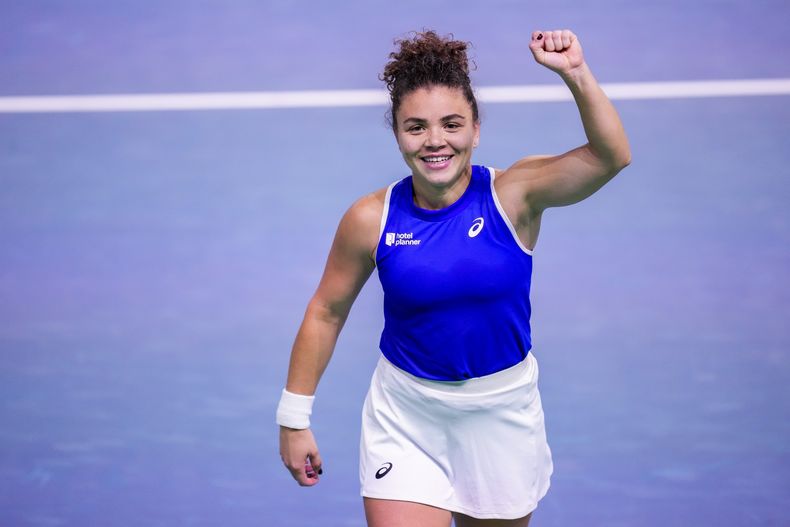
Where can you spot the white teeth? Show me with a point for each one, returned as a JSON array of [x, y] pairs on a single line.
[[438, 159]]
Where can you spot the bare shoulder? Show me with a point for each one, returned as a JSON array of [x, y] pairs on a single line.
[[359, 228], [366, 211], [513, 184]]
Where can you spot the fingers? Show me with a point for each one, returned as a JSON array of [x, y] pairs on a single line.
[[553, 41], [558, 40], [304, 472], [566, 39], [315, 461], [536, 46]]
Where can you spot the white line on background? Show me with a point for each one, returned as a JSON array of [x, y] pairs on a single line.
[[147, 102]]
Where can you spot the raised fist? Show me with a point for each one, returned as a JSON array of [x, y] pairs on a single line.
[[560, 50]]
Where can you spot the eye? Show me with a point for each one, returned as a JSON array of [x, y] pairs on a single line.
[[452, 126], [415, 129]]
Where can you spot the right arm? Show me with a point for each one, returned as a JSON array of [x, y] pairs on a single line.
[[349, 265]]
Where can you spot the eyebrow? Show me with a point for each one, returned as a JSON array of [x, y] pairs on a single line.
[[443, 119]]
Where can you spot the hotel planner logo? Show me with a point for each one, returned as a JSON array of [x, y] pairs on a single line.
[[400, 238]]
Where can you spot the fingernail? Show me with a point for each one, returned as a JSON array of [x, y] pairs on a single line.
[[540, 37]]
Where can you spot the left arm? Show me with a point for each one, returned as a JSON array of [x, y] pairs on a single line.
[[555, 181]]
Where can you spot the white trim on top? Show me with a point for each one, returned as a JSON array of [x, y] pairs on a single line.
[[384, 214], [502, 213]]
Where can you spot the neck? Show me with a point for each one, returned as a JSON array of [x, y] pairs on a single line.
[[431, 197]]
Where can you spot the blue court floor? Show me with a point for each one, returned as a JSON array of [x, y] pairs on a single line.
[[155, 266]]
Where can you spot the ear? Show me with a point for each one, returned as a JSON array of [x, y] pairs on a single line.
[[477, 135]]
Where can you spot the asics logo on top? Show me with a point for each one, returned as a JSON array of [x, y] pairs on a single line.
[[385, 468], [477, 226]]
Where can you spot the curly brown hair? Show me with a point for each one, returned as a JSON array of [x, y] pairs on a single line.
[[426, 60]]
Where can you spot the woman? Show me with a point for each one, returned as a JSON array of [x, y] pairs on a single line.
[[452, 424]]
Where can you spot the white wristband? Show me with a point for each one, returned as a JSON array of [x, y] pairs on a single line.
[[294, 410]]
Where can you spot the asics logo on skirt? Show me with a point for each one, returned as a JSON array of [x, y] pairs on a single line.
[[385, 468]]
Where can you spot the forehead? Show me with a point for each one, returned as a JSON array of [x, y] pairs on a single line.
[[434, 102]]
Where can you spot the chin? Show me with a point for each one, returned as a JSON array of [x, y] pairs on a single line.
[[442, 177]]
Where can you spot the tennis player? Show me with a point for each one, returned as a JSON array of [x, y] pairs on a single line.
[[452, 426]]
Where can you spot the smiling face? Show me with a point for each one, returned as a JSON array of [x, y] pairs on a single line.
[[436, 134]]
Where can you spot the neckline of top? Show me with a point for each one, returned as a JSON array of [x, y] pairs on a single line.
[[449, 211]]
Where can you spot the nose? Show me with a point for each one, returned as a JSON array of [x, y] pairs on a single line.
[[435, 137]]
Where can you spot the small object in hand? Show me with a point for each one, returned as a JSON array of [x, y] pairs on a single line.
[[540, 37], [309, 471]]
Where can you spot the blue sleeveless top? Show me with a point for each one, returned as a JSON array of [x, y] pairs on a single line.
[[456, 284]]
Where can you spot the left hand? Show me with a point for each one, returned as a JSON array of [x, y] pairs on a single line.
[[560, 50]]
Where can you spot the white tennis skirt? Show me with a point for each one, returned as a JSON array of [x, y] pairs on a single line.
[[477, 447]]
